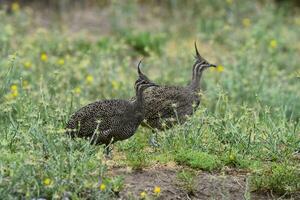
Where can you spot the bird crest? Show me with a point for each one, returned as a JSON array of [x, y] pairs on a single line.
[[142, 76], [198, 57]]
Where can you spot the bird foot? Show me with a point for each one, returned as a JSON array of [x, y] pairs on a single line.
[[109, 156]]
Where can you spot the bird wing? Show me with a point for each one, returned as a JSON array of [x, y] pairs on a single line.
[[163, 101], [96, 115]]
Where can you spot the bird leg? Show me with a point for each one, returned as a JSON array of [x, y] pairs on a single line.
[[108, 151]]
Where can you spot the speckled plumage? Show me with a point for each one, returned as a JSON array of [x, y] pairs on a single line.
[[116, 119], [162, 102], [108, 121], [168, 105]]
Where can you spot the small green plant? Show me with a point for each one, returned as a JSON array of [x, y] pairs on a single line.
[[234, 159], [280, 178], [198, 160], [117, 184], [135, 157], [145, 42], [137, 160], [186, 180]]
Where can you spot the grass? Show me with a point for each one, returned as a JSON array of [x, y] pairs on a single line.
[[197, 160], [186, 180], [248, 118], [280, 177]]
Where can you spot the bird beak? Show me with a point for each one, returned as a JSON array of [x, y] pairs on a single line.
[[212, 65]]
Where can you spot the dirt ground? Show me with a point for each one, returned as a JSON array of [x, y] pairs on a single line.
[[228, 185]]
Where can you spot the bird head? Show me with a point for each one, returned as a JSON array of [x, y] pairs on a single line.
[[201, 63], [143, 81]]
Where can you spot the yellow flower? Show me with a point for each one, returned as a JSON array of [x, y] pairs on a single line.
[[229, 2], [15, 7], [102, 187], [28, 64], [143, 195], [156, 190], [14, 88], [89, 79], [61, 61], [115, 85], [273, 44], [220, 68], [44, 57], [246, 22], [25, 84], [47, 181], [232, 157], [14, 93], [77, 90]]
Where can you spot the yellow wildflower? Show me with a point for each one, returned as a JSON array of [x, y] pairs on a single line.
[[25, 84], [27, 64], [44, 57], [229, 2], [156, 190], [89, 79], [14, 91], [143, 195], [14, 88], [115, 85], [47, 181], [273, 44], [15, 7], [232, 157], [61, 61], [220, 68], [246, 22], [77, 90], [102, 187]]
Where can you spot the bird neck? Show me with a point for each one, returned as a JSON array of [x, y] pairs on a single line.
[[138, 103], [195, 83]]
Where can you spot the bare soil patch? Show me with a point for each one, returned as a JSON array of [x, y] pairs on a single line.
[[229, 185]]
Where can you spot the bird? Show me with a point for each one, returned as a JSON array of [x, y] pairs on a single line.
[[166, 106], [109, 121]]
